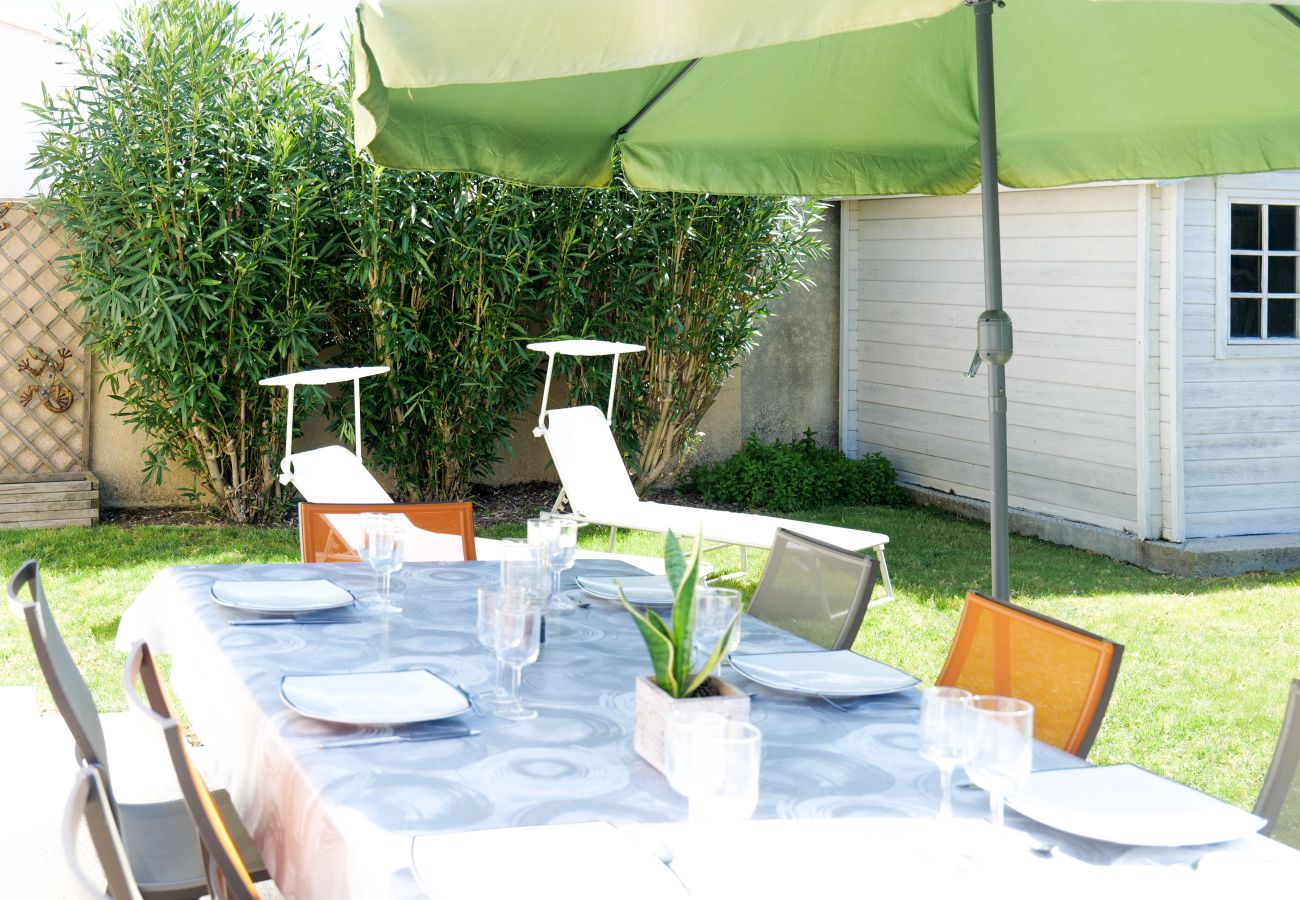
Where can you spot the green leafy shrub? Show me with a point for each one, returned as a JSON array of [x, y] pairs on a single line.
[[184, 168], [785, 477], [690, 276]]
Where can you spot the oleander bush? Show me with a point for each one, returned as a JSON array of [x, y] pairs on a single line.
[[225, 229], [185, 170], [799, 475]]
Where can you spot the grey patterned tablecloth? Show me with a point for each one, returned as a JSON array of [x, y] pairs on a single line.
[[338, 822]]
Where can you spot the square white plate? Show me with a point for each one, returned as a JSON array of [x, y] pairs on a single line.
[[825, 673], [373, 698], [1127, 805], [280, 596], [643, 590], [587, 861]]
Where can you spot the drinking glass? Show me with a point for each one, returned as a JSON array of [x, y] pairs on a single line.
[[527, 567], [715, 611], [517, 634], [564, 550], [944, 736], [488, 600], [385, 544], [714, 762], [1001, 750]]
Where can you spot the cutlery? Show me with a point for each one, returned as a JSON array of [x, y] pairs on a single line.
[[399, 738], [292, 621]]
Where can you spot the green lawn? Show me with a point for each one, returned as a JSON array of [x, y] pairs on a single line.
[[1200, 695]]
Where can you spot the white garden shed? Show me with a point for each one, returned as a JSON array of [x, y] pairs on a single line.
[[1155, 388]]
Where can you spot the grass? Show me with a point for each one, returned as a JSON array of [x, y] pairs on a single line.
[[1200, 695]]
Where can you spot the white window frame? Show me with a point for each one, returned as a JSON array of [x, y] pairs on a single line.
[[1226, 346]]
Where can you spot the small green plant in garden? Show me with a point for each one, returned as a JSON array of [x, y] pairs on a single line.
[[797, 475], [671, 643]]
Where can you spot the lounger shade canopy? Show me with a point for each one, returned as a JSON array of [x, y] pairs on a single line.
[[835, 98]]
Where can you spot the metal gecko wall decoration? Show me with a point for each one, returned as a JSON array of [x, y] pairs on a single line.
[[54, 394]]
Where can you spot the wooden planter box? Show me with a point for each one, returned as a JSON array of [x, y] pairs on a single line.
[[653, 706], [49, 500]]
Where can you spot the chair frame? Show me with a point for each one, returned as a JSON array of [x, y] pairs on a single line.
[[309, 525], [1285, 767], [90, 801], [229, 878], [1079, 744], [88, 736], [870, 570]]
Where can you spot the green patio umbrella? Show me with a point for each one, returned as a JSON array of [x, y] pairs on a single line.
[[835, 98]]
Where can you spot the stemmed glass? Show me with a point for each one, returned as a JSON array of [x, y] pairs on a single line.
[[714, 762], [715, 611], [385, 546], [488, 601], [1001, 749], [945, 713], [518, 632], [564, 550]]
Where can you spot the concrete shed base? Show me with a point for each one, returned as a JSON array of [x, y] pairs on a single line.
[[1197, 558]]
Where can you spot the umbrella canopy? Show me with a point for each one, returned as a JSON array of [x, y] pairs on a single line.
[[824, 98], [835, 97]]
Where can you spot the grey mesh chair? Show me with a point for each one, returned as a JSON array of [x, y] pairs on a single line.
[[160, 839], [1279, 801], [88, 803], [815, 590]]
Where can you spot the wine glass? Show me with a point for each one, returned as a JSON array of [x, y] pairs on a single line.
[[944, 736], [714, 762], [1001, 748], [564, 550], [518, 632], [716, 609], [385, 545], [543, 533], [488, 600]]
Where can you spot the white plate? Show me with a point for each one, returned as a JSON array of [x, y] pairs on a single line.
[[825, 673], [643, 590], [1127, 805], [592, 860], [373, 698], [280, 596]]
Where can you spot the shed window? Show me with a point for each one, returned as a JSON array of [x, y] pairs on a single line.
[[1262, 286]]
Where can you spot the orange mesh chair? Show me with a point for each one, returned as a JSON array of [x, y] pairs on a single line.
[[435, 532], [1065, 672], [228, 876]]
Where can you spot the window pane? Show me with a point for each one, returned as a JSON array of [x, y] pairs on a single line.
[[1246, 226], [1281, 274], [1281, 318], [1281, 228], [1245, 274], [1244, 317]]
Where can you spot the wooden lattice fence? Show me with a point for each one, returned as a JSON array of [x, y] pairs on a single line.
[[44, 382]]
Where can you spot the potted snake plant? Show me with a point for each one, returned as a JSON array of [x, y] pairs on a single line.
[[670, 645]]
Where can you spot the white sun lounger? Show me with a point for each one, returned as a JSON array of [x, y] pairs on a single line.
[[599, 491], [329, 474]]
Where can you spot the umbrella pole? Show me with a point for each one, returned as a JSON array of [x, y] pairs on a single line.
[[994, 324]]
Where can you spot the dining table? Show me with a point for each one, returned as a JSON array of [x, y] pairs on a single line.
[[844, 796]]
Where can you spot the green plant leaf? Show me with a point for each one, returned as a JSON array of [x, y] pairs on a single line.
[[683, 619], [659, 642], [714, 658]]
